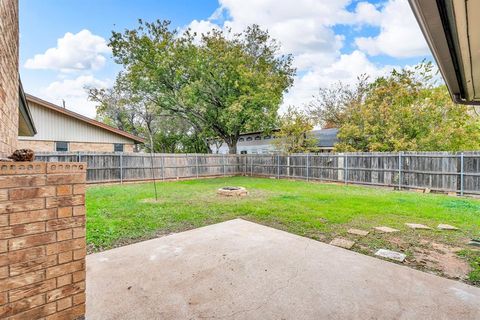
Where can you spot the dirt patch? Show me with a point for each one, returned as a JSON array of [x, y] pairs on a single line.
[[441, 258]]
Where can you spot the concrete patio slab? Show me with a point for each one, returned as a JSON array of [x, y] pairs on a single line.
[[242, 270]]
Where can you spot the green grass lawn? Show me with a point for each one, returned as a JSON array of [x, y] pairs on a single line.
[[122, 214]]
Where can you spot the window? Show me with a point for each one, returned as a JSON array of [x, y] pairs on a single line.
[[61, 146], [258, 138], [267, 137], [243, 152], [249, 139], [241, 139], [118, 147]]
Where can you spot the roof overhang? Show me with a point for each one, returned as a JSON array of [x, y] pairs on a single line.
[[452, 31], [26, 126]]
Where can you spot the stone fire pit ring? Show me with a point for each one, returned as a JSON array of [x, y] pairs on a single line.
[[232, 191]]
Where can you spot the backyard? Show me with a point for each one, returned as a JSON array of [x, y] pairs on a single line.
[[122, 214]]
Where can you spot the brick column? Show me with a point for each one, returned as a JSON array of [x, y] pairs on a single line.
[[9, 80], [42, 240]]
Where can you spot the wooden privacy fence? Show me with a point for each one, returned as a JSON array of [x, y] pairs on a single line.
[[124, 167], [440, 171]]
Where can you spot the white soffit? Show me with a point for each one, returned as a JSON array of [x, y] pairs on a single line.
[[467, 22]]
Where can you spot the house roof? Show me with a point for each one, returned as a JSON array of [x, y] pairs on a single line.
[[26, 126], [452, 31], [326, 137], [79, 117]]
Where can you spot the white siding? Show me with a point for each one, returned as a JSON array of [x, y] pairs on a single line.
[[250, 146], [54, 126]]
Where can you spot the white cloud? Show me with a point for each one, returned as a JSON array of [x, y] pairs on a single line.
[[73, 92], [346, 69], [304, 28], [366, 12], [74, 52], [399, 36]]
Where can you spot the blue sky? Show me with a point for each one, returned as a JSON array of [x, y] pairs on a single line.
[[63, 43]]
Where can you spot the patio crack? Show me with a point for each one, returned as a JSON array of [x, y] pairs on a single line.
[[269, 296]]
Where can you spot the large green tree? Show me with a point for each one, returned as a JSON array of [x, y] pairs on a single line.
[[222, 83], [405, 110], [294, 134]]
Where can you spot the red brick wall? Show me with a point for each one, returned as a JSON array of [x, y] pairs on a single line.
[[9, 79], [42, 240]]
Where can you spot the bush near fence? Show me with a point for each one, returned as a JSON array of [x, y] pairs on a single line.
[[438, 171]]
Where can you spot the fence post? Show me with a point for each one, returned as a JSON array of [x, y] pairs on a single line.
[[245, 166], [278, 166], [462, 187], [196, 163], [400, 170], [121, 168], [223, 163], [144, 172], [308, 166], [345, 165], [288, 165], [163, 166], [251, 167]]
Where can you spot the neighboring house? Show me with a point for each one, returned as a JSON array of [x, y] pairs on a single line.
[[59, 129], [258, 143]]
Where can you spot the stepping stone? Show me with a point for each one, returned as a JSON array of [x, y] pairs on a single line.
[[417, 226], [446, 227], [343, 243], [358, 232], [474, 242], [386, 229], [392, 255]]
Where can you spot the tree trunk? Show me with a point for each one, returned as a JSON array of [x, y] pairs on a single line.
[[232, 147]]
